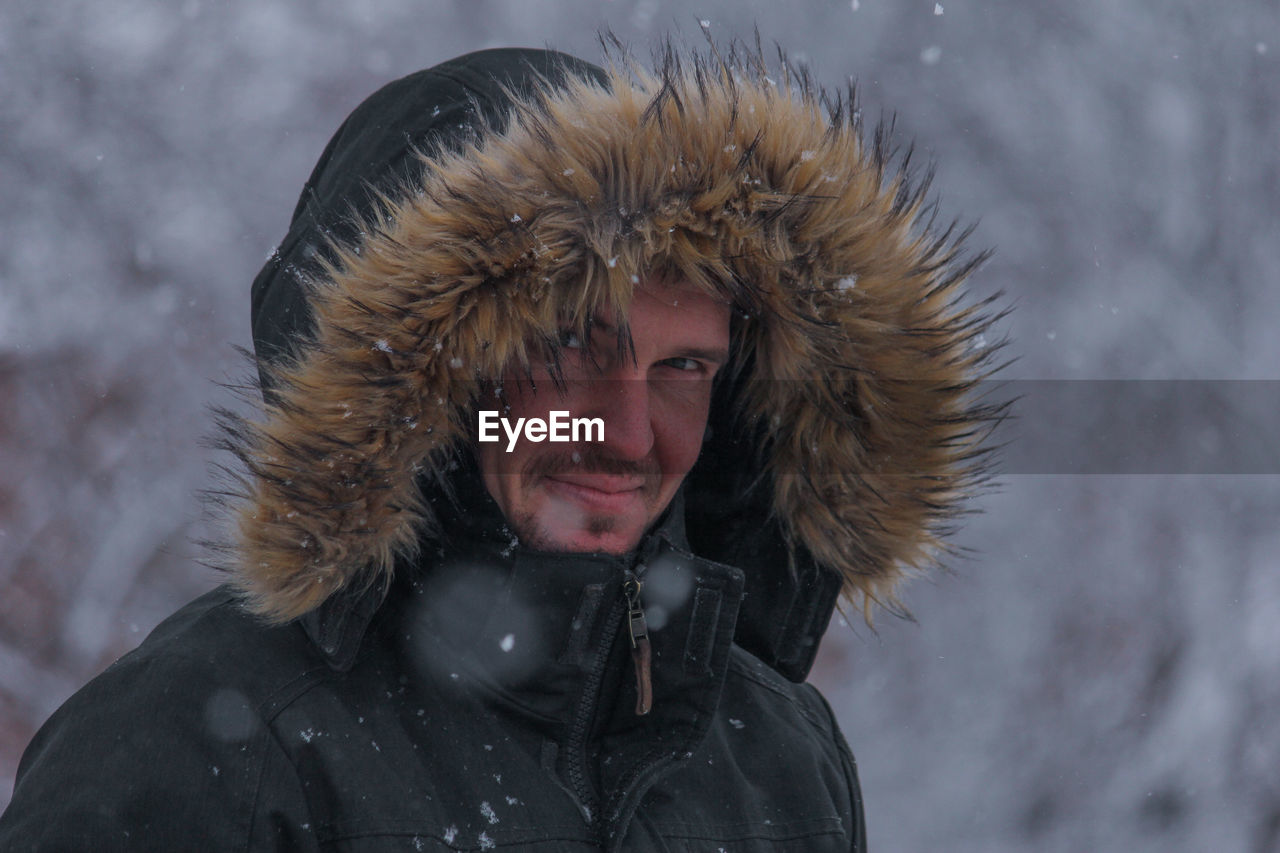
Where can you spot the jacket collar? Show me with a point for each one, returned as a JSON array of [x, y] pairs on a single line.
[[479, 573], [781, 618]]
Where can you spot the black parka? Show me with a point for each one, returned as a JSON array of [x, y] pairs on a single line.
[[488, 703], [389, 668]]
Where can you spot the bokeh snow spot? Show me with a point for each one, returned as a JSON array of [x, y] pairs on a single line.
[[228, 717]]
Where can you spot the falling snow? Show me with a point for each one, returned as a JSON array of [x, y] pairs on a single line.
[[1030, 155]]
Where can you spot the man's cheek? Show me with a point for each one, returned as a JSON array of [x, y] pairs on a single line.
[[681, 413]]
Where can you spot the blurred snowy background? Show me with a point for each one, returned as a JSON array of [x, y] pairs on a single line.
[[1103, 675]]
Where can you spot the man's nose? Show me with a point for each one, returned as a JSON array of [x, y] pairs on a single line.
[[626, 408]]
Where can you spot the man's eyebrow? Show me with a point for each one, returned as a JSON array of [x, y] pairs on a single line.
[[716, 355]]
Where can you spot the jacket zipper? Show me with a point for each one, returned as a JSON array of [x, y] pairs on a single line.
[[641, 653], [576, 744]]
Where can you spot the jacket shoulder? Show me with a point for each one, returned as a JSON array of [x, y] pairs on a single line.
[[782, 775], [798, 716], [803, 699], [170, 743], [216, 639]]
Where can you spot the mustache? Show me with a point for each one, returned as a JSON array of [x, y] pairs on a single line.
[[590, 460]]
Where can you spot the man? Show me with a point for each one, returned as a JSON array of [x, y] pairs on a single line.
[[445, 627]]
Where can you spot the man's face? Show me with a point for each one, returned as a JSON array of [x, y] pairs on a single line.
[[601, 496]]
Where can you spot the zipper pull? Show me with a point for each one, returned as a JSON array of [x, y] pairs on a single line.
[[641, 654]]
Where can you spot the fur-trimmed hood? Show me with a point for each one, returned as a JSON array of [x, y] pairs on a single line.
[[463, 215]]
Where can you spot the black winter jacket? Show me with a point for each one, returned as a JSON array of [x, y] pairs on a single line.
[[488, 703], [388, 667]]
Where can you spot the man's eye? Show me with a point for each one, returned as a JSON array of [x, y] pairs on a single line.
[[684, 364], [569, 339]]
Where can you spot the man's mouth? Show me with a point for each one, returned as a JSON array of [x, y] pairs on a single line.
[[598, 492]]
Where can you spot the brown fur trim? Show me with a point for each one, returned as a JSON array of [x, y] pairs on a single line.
[[862, 352]]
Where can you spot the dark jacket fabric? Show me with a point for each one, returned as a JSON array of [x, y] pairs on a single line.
[[389, 668], [488, 703]]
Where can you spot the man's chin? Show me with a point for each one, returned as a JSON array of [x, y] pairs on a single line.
[[585, 543], [575, 542], [568, 530]]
